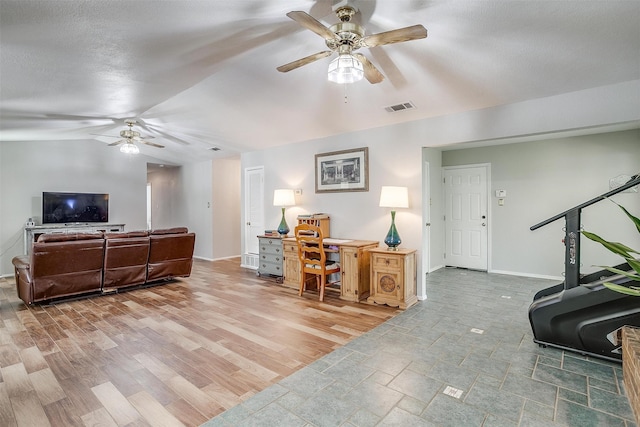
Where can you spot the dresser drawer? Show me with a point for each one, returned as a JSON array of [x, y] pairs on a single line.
[[387, 261], [271, 246], [270, 268], [268, 257]]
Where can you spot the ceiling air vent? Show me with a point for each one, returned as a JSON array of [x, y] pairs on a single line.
[[400, 107], [214, 148]]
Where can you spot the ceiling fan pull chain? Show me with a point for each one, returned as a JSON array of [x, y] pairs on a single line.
[[346, 98]]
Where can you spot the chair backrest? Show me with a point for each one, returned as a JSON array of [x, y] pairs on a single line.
[[310, 249]]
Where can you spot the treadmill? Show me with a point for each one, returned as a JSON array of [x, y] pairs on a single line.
[[581, 314]]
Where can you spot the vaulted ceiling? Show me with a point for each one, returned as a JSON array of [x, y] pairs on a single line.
[[202, 74]]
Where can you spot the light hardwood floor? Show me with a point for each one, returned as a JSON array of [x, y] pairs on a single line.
[[169, 355]]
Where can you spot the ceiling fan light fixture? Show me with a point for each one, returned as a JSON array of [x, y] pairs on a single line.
[[346, 68], [129, 148]]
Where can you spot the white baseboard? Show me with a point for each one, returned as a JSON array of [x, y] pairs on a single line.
[[438, 267], [216, 259], [532, 275]]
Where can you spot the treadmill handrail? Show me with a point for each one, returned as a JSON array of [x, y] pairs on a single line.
[[633, 181]]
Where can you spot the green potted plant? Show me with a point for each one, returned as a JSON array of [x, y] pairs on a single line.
[[625, 252]]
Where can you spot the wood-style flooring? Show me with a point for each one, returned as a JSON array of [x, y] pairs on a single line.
[[176, 354]]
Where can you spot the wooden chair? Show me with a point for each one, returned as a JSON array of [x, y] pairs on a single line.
[[313, 259]]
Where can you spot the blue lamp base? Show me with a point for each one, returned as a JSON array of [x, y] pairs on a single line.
[[393, 238], [283, 228]]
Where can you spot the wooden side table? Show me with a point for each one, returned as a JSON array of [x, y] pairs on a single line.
[[393, 277]]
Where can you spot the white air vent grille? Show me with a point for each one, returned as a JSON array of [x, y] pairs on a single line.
[[250, 261], [400, 107]]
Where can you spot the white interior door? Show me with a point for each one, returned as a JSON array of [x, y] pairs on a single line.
[[466, 217], [254, 208]]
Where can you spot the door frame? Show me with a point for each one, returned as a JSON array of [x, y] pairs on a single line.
[[487, 167], [249, 259], [426, 235]]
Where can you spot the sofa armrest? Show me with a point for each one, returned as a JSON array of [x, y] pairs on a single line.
[[22, 269], [21, 261]]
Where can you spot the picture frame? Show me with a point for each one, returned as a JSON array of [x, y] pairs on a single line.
[[346, 170]]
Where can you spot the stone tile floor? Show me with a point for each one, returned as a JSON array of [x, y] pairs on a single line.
[[463, 357]]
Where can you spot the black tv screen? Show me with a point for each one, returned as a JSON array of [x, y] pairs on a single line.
[[60, 208]]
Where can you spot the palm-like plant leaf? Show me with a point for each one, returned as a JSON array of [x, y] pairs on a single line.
[[635, 220], [615, 247], [631, 276], [631, 290], [624, 251]]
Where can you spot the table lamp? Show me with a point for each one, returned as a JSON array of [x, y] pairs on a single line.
[[393, 197], [283, 198]]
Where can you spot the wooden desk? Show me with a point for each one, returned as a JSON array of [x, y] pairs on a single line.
[[354, 266]]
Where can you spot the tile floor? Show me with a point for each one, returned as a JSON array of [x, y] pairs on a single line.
[[431, 366]]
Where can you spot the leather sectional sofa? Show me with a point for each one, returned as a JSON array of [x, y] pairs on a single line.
[[72, 265]]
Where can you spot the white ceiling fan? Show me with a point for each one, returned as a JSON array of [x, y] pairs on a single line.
[[129, 137], [345, 38]]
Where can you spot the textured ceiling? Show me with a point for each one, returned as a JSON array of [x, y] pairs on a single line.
[[202, 74]]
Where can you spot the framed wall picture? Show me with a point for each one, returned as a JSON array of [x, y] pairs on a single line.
[[346, 170]]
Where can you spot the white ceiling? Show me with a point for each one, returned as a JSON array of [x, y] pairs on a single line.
[[203, 73]]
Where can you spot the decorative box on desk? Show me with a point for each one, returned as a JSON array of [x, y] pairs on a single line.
[[319, 220], [393, 277], [270, 256]]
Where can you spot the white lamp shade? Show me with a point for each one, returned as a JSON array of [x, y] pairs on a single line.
[[284, 197], [394, 197]]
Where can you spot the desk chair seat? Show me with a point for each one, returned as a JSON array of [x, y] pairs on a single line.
[[313, 259]]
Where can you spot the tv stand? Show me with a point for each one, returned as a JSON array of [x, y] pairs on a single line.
[[32, 233]]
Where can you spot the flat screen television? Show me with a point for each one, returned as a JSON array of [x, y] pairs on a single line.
[[60, 208]]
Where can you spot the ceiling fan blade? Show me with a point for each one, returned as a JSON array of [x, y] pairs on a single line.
[[116, 143], [156, 129], [311, 23], [371, 73], [102, 134], [395, 36], [152, 144], [304, 61]]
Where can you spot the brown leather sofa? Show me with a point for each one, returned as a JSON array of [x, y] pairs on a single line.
[[66, 265]]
